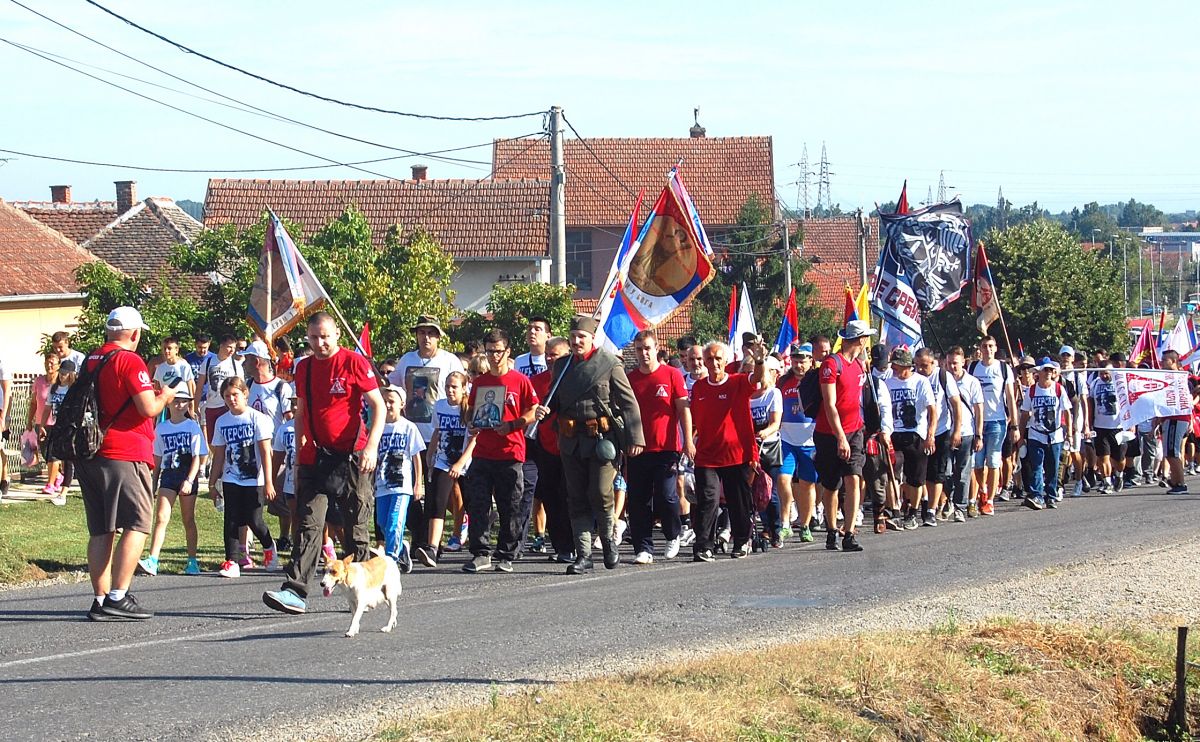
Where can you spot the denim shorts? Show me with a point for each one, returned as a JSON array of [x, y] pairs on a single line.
[[798, 462], [994, 432]]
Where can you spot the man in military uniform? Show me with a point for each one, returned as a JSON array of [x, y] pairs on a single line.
[[597, 414]]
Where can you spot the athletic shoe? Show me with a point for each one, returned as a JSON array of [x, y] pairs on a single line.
[[193, 566], [49, 489], [96, 613], [1032, 503], [481, 563], [282, 544], [538, 546], [831, 541], [1179, 489], [687, 536], [724, 537], [816, 524], [910, 522], [501, 565], [60, 498], [850, 543], [245, 561], [271, 560], [738, 552], [972, 511], [622, 526], [895, 524], [776, 542], [785, 533], [643, 557], [806, 535], [1103, 489], [127, 608], [58, 481], [425, 556], [230, 569], [404, 562], [147, 566], [454, 545], [1162, 482], [284, 601], [929, 519], [1002, 496], [986, 508], [1078, 491], [1127, 481], [704, 556], [1051, 503], [959, 516], [672, 549], [858, 518]]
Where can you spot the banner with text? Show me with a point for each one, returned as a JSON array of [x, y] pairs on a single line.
[[1146, 393]]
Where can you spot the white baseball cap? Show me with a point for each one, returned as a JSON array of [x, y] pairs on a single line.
[[257, 349], [773, 364], [125, 318]]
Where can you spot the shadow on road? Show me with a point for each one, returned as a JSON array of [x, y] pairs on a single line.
[[281, 680]]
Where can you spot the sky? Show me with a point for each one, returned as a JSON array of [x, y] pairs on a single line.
[[1060, 102]]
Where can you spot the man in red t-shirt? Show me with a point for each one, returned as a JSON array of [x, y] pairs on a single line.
[[336, 455], [839, 443], [116, 481], [499, 408], [726, 449], [662, 399], [551, 488]]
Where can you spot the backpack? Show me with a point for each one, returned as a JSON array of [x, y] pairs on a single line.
[[1004, 370], [808, 391], [76, 434]]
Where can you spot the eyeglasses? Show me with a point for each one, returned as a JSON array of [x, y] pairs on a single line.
[[496, 351]]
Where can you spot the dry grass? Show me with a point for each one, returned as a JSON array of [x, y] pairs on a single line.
[[998, 681]]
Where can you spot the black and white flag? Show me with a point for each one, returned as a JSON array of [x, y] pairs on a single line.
[[931, 248]]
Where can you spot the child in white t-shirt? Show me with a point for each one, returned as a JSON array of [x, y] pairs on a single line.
[[398, 477], [241, 451], [177, 447], [284, 460]]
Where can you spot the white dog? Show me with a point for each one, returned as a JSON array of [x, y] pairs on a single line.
[[368, 584]]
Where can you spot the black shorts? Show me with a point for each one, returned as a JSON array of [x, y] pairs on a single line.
[[116, 495], [911, 458], [437, 497], [831, 468], [1106, 443], [940, 467]]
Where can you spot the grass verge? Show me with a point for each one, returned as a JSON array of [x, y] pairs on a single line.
[[1003, 680], [38, 539]]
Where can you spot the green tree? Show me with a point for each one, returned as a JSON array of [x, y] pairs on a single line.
[[1093, 223], [1051, 292], [1134, 214], [513, 305], [753, 254], [106, 289]]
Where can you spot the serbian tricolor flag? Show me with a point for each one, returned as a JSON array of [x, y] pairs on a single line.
[[983, 295], [742, 322], [364, 341], [285, 289], [789, 331], [656, 274], [1143, 348]]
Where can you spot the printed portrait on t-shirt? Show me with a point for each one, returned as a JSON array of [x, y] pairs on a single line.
[[487, 412], [392, 474], [1106, 399], [421, 388], [243, 460], [1044, 413]]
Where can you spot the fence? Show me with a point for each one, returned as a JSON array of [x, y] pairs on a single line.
[[18, 422]]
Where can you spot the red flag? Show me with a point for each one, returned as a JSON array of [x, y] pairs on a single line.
[[733, 309], [364, 341], [1162, 320], [851, 312], [902, 204], [1143, 349]]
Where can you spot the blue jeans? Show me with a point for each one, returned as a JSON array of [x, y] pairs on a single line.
[[993, 443], [391, 512], [960, 481], [1043, 466]]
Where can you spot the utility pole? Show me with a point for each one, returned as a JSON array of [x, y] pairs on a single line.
[[1141, 297], [787, 258], [862, 247], [558, 199], [1125, 270]]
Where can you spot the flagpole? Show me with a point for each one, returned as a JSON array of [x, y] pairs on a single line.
[[999, 306]]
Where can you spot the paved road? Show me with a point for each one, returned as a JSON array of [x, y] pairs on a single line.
[[215, 659]]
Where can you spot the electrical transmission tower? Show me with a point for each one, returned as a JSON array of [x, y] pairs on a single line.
[[929, 195], [802, 202], [1001, 208], [824, 202], [941, 186]]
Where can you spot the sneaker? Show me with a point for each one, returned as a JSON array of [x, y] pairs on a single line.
[[850, 543], [96, 613], [776, 542], [928, 519], [622, 526], [725, 537], [704, 556], [282, 544], [858, 518], [58, 481], [1033, 503], [1127, 481], [806, 535], [910, 522], [785, 533], [1179, 489], [501, 565], [972, 511], [481, 563], [894, 524], [245, 562], [687, 536], [1003, 496], [49, 489], [987, 508], [816, 524], [1103, 489], [284, 601], [193, 566], [1051, 503], [404, 562], [454, 544], [538, 546], [126, 607], [147, 566], [738, 552], [831, 541], [959, 516], [230, 569], [1078, 491], [425, 556], [643, 557], [271, 560], [672, 549], [1162, 482]]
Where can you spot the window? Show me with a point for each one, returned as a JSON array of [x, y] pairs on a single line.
[[579, 259]]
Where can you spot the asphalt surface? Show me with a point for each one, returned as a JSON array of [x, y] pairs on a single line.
[[215, 662]]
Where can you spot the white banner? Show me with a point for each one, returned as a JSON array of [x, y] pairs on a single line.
[[1144, 394]]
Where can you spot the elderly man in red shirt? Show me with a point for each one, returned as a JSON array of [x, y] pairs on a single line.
[[726, 449]]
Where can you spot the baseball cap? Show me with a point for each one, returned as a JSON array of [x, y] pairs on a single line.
[[394, 389], [1048, 363], [125, 318], [801, 349], [901, 356], [1027, 362], [67, 367], [1066, 350], [258, 349], [855, 329], [773, 364], [748, 337]]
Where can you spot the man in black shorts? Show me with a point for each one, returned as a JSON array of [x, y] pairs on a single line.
[[914, 417]]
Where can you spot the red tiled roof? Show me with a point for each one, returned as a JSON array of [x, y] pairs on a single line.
[[668, 332], [836, 239], [720, 173], [469, 218], [36, 258], [830, 279], [141, 240], [77, 220]]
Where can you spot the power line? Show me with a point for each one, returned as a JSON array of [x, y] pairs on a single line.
[[596, 157], [285, 86], [262, 111], [476, 184]]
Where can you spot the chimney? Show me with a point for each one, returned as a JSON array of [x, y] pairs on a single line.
[[60, 194], [697, 131], [126, 195], [420, 172]]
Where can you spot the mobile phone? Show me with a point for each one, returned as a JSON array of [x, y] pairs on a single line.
[[176, 382]]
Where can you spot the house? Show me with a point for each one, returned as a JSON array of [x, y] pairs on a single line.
[[603, 177], [79, 221], [831, 247], [140, 241], [496, 230], [38, 294]]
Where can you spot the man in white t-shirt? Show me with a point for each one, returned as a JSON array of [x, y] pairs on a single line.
[[422, 374], [61, 342], [996, 380], [1075, 380], [533, 362], [910, 431], [1105, 416], [213, 373], [174, 367], [971, 430], [947, 436], [1046, 415]]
